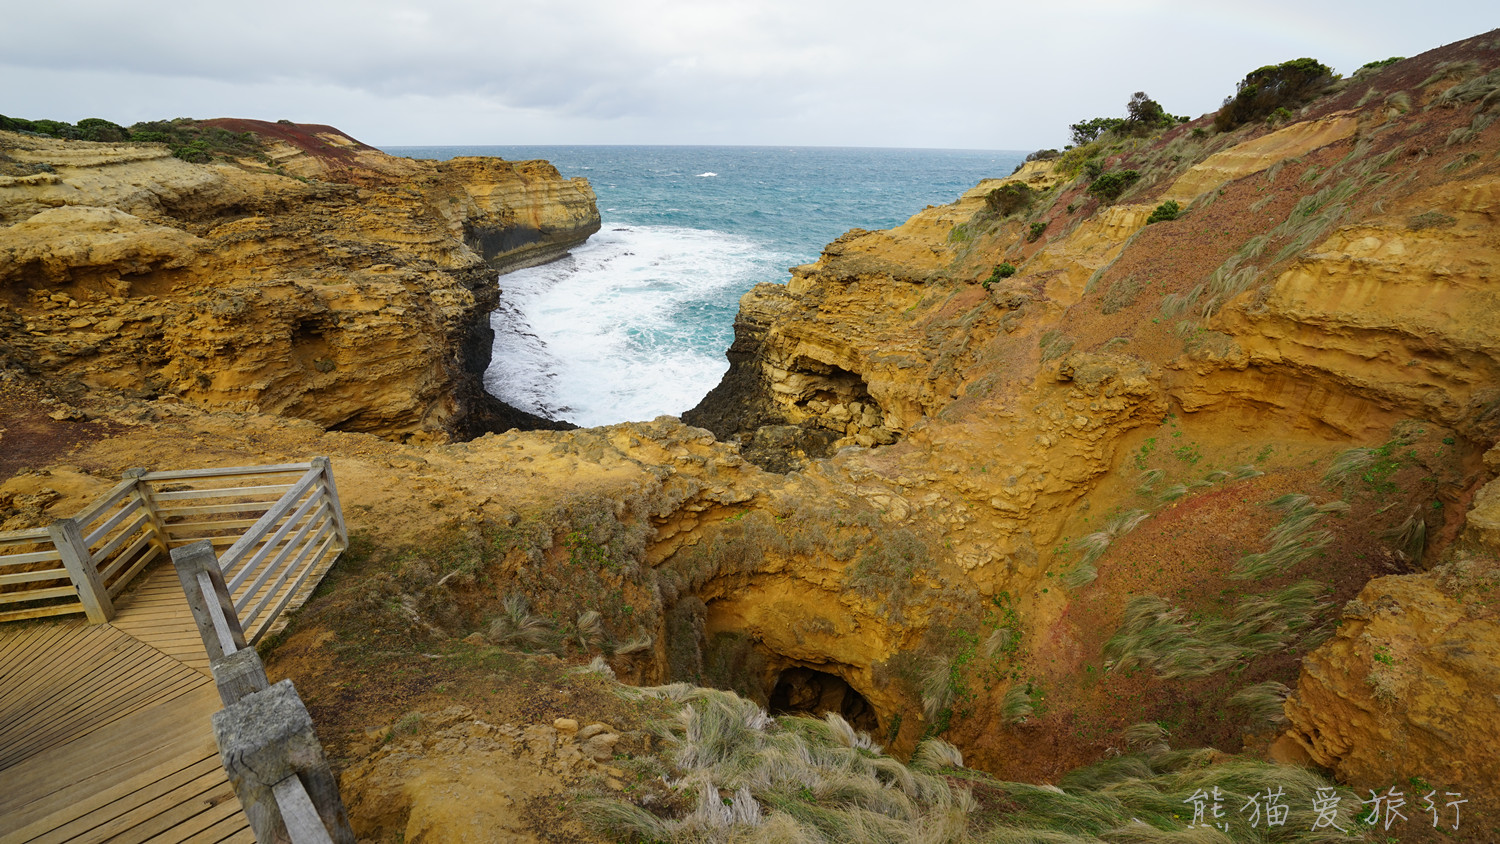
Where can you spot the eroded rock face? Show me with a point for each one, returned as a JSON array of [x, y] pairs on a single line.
[[359, 304], [935, 433], [1332, 280], [1411, 683]]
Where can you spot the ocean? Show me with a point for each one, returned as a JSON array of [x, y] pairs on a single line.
[[634, 324]]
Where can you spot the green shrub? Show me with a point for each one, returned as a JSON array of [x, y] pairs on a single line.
[[99, 129], [1166, 211], [1044, 155], [1108, 186], [1010, 198], [55, 128], [1090, 130], [1287, 85], [1003, 271], [194, 143], [88, 129], [1036, 231], [1145, 115], [1381, 63]]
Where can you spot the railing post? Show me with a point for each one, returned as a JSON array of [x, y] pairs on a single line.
[[68, 538], [326, 466], [266, 738], [208, 598], [148, 501], [239, 675]]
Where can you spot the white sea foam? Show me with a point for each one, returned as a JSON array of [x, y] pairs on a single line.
[[609, 334], [706, 175]]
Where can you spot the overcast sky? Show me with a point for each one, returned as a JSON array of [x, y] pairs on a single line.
[[981, 75]]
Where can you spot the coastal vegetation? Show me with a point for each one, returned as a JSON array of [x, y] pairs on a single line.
[[1145, 506], [740, 776], [1107, 186], [1274, 88], [186, 138]]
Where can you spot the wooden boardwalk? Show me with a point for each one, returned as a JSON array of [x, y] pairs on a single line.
[[105, 731]]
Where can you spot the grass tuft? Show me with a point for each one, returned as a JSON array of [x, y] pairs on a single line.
[[1016, 706], [936, 689], [1264, 701], [934, 754], [1154, 634], [1410, 536], [797, 780], [517, 627], [1293, 540], [1172, 493]]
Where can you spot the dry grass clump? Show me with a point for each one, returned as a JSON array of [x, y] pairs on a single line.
[[1016, 706], [757, 778], [1347, 463], [1054, 345], [1264, 701], [752, 778], [1294, 539], [1155, 634], [1410, 536], [516, 627], [1095, 544]]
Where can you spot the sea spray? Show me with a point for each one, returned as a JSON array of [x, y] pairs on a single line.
[[632, 325], [636, 322]]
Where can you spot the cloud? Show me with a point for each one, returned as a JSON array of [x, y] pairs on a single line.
[[973, 74]]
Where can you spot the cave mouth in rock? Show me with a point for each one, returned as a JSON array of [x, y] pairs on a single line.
[[806, 691]]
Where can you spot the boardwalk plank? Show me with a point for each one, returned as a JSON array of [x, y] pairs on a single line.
[[105, 730], [97, 809]]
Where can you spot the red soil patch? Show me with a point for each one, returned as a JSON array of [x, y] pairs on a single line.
[[1185, 553], [30, 438], [303, 136]]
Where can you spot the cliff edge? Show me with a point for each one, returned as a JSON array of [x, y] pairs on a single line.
[[305, 274]]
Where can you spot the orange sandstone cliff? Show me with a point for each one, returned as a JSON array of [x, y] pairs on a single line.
[[1223, 480], [322, 279]]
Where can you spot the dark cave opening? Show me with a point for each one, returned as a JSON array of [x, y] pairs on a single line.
[[805, 691]]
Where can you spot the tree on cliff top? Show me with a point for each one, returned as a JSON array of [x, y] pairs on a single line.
[[1288, 85], [1143, 116]]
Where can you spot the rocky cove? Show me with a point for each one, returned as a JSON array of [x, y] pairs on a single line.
[[1218, 485]]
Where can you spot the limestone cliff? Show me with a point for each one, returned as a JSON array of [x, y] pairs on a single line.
[[1330, 285], [1154, 475], [325, 280]]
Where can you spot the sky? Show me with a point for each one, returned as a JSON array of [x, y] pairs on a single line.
[[996, 74]]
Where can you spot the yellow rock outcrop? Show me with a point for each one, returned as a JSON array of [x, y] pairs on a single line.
[[357, 306]]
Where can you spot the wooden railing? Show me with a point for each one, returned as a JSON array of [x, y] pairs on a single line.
[[34, 582], [265, 734], [280, 524], [278, 533], [80, 564]]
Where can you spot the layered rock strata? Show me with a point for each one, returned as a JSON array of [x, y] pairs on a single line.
[[360, 304], [1333, 277]]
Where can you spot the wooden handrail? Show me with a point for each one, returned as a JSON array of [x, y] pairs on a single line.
[[264, 523], [102, 548], [277, 768], [264, 732], [208, 599], [202, 474]]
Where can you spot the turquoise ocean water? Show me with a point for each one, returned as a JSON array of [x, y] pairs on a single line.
[[634, 324]]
